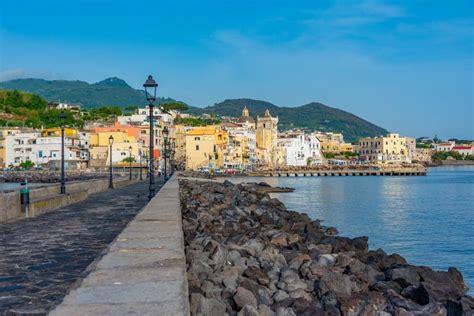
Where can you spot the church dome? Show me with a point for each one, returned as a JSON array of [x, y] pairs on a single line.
[[246, 118]]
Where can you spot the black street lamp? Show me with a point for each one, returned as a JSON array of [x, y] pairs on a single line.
[[150, 86], [111, 142], [62, 116], [165, 136], [140, 156], [130, 161]]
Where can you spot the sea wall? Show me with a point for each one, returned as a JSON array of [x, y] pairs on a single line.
[[248, 255], [48, 198], [144, 269]]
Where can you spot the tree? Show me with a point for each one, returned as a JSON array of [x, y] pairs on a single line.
[[175, 106], [26, 165], [130, 109], [128, 159]]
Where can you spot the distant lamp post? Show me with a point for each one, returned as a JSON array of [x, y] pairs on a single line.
[[62, 117], [130, 161], [140, 157], [150, 86], [111, 142], [165, 156]]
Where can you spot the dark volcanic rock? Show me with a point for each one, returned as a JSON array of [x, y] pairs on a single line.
[[248, 255]]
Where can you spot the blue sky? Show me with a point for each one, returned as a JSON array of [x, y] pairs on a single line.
[[405, 65]]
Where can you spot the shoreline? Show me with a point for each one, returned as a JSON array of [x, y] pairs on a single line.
[[247, 253]]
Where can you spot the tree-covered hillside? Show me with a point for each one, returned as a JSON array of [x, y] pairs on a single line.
[[113, 91]]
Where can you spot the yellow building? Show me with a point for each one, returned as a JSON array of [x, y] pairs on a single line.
[[205, 147], [120, 147], [389, 149], [333, 142], [56, 132], [267, 137], [178, 139]]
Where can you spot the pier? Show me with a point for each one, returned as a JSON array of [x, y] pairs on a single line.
[[340, 173]]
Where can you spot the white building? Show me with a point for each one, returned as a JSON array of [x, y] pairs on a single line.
[[300, 149], [448, 146], [42, 151], [141, 117]]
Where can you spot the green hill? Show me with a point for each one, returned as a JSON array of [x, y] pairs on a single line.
[[312, 116], [111, 91]]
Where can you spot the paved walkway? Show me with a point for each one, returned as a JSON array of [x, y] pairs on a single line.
[[41, 258], [144, 270]]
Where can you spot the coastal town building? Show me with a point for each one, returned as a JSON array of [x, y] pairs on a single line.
[[237, 154], [266, 138], [205, 147], [74, 108], [4, 132], [243, 138], [447, 146], [464, 150], [44, 149], [298, 149], [384, 149], [100, 148], [422, 155], [177, 136], [333, 142], [142, 117]]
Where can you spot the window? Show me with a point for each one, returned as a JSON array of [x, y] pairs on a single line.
[[197, 138], [215, 148], [40, 154], [197, 147]]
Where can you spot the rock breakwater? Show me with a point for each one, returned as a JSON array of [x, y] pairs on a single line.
[[46, 177], [248, 255]]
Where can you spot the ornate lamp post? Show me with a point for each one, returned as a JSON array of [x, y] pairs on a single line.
[[62, 116], [150, 86], [130, 161], [140, 157], [165, 155], [111, 142]]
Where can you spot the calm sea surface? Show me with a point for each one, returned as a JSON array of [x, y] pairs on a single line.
[[428, 220]]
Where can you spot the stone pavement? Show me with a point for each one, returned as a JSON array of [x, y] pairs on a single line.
[[144, 271], [41, 258]]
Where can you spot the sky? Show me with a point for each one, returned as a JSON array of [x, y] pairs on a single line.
[[407, 66]]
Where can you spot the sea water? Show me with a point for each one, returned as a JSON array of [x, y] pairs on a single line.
[[429, 220]]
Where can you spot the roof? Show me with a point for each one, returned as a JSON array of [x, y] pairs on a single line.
[[203, 130], [248, 119], [462, 147]]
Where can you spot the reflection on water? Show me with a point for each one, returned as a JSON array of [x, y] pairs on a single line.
[[429, 220]]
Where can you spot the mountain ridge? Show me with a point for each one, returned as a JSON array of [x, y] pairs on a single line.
[[311, 116]]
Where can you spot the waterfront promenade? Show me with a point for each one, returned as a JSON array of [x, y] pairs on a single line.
[[44, 256]]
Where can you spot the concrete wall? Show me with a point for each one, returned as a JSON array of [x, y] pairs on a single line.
[[48, 198], [144, 269]]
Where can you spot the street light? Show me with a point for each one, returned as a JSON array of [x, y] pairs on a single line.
[[111, 142], [165, 135], [150, 86], [62, 117], [130, 161], [140, 157]]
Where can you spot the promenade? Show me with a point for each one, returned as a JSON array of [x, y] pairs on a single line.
[[44, 256]]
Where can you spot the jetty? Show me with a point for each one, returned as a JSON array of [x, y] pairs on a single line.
[[346, 172]]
